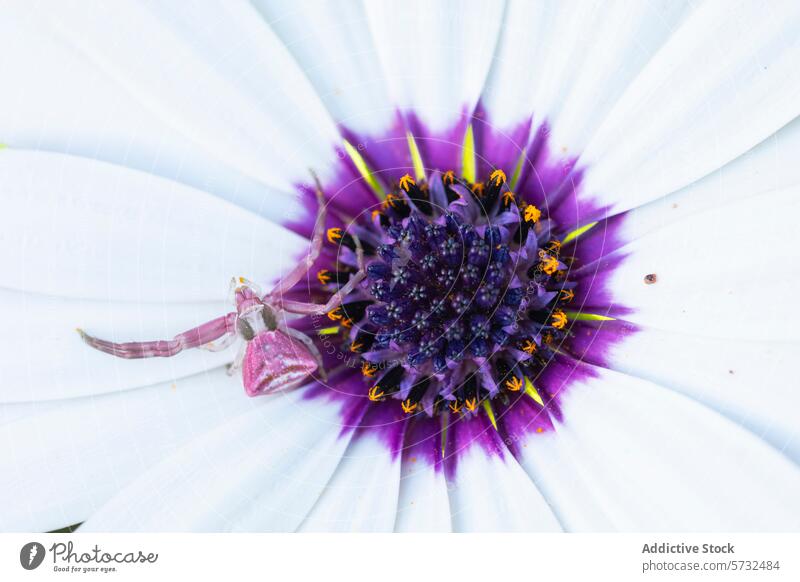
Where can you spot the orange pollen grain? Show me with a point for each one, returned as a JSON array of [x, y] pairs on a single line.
[[514, 384], [549, 264], [406, 182], [408, 406], [334, 234], [324, 276], [532, 214], [499, 177], [559, 319]]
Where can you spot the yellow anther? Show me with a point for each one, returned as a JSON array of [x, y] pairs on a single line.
[[514, 384], [471, 404], [324, 276], [368, 369], [559, 319], [553, 247], [455, 405], [355, 346], [376, 213], [375, 393], [391, 201], [408, 406], [499, 177], [335, 314], [242, 280], [347, 322], [547, 339], [529, 347], [567, 295], [549, 264], [532, 214], [477, 189], [334, 234], [406, 182], [449, 177], [508, 198]]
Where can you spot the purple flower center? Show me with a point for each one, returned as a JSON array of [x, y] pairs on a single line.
[[465, 297], [485, 289]]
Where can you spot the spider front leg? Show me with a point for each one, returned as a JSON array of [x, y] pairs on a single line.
[[303, 308], [295, 275], [193, 338]]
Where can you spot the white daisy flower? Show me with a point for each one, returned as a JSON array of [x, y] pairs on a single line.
[[502, 266]]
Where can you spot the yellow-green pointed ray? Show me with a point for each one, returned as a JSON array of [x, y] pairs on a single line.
[[517, 171], [468, 167], [361, 165], [487, 406], [445, 424], [328, 330], [416, 159], [577, 232], [583, 316], [532, 392]]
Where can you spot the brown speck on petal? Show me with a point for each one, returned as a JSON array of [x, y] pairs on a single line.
[[650, 279]]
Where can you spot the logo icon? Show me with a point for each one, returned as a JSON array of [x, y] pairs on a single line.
[[31, 555]]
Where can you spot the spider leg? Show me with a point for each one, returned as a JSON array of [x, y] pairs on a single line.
[[336, 299], [223, 343], [237, 362], [309, 343], [296, 274], [193, 338]]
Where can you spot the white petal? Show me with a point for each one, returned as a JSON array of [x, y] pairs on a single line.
[[62, 460], [529, 31], [578, 507], [490, 493], [75, 227], [752, 383], [332, 43], [768, 166], [653, 460], [286, 496], [568, 63], [231, 87], [435, 55], [423, 504], [711, 270], [617, 40], [215, 481], [721, 84], [362, 494], [43, 358]]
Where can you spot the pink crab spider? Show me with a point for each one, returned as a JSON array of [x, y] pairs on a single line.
[[274, 356]]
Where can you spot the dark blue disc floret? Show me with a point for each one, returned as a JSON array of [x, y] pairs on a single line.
[[462, 300]]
